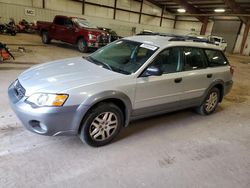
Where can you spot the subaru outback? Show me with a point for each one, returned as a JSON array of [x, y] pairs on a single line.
[[131, 78]]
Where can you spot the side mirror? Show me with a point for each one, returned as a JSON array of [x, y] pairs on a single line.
[[152, 71]]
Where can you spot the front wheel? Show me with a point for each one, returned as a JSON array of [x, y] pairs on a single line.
[[102, 124], [82, 45], [45, 37], [210, 103]]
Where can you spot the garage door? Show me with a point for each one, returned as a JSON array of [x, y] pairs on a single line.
[[228, 30]]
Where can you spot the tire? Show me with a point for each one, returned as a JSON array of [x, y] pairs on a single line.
[[45, 37], [210, 103], [82, 45], [97, 130]]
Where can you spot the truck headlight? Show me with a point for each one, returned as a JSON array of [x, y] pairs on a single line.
[[46, 99], [92, 37]]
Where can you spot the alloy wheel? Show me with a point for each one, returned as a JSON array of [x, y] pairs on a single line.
[[103, 126], [211, 102]]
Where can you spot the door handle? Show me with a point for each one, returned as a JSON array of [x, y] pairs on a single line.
[[209, 75], [177, 80]]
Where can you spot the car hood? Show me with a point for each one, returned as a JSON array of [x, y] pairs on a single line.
[[61, 75], [95, 31]]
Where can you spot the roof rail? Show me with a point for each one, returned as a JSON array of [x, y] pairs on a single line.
[[178, 37], [190, 38]]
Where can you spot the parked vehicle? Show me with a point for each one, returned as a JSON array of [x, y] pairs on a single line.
[[132, 78], [26, 27], [112, 33], [8, 28], [219, 41], [73, 30], [146, 32]]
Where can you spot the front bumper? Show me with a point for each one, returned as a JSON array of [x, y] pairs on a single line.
[[95, 44], [49, 121]]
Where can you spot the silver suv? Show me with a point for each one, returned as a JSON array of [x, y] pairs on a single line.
[[135, 77]]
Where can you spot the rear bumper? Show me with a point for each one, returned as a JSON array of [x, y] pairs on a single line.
[[228, 86]]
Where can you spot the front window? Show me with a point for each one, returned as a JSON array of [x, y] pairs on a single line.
[[123, 56], [83, 23]]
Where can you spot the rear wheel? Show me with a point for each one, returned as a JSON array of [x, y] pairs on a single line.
[[45, 37], [102, 124], [82, 45], [210, 103]]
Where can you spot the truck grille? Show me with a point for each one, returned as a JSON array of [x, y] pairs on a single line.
[[19, 90], [103, 39]]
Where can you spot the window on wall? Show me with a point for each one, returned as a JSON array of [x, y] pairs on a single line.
[[169, 60], [215, 58], [194, 58]]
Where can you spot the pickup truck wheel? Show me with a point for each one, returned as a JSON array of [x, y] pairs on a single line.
[[101, 124], [82, 45], [210, 103], [45, 37]]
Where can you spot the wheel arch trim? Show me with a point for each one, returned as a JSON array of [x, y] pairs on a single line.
[[85, 106]]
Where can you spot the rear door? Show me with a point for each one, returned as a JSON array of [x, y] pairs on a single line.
[[196, 77], [69, 31], [58, 28], [218, 65]]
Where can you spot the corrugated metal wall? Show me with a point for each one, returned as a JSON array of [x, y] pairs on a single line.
[[101, 16]]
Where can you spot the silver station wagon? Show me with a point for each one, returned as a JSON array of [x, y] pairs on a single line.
[[135, 77]]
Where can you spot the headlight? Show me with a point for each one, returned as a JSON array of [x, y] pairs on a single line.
[[92, 37], [45, 99]]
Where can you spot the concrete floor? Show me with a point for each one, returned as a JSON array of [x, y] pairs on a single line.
[[180, 149]]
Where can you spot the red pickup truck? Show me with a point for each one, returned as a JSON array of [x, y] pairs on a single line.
[[73, 30]]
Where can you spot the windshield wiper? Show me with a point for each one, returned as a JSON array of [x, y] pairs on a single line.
[[91, 59]]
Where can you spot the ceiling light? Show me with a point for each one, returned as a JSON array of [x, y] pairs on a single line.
[[181, 10], [219, 10]]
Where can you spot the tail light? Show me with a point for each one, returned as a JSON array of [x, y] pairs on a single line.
[[232, 69]]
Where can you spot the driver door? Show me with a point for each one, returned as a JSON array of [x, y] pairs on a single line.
[[154, 93]]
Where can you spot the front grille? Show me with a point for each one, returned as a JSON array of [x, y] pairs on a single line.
[[103, 39], [19, 90]]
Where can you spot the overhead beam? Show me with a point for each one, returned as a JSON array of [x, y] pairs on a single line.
[[211, 14], [236, 9], [159, 5], [191, 9]]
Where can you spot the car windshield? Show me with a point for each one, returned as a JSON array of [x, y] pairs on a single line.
[[83, 23], [123, 56]]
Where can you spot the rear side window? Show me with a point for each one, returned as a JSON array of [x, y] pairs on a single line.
[[194, 58], [59, 21], [215, 58]]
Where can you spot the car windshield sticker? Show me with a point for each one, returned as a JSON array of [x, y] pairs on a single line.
[[147, 46]]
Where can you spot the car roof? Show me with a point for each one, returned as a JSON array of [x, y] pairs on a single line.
[[165, 41]]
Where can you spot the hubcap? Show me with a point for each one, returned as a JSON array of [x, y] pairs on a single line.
[[211, 101], [44, 37], [103, 126], [81, 45]]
